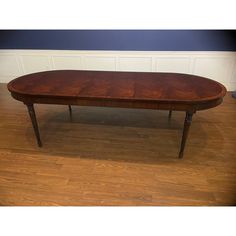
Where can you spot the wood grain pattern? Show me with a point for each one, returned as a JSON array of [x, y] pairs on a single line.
[[71, 87], [116, 156]]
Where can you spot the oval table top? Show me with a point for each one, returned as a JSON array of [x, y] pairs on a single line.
[[133, 86]]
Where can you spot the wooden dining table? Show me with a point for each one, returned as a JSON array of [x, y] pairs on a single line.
[[145, 90]]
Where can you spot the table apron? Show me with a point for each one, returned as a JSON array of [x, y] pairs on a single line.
[[159, 105]]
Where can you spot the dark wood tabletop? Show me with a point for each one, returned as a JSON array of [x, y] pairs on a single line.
[[132, 86], [166, 91]]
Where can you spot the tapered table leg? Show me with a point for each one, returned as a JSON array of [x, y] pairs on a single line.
[[70, 111], [187, 123], [170, 113], [34, 123]]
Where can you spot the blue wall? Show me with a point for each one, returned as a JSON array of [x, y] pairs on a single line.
[[140, 40]]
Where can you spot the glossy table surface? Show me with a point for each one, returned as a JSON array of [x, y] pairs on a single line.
[[132, 86]]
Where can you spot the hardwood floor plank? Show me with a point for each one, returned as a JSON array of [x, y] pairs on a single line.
[[109, 156]]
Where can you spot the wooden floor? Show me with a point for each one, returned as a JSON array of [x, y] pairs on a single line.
[[108, 156]]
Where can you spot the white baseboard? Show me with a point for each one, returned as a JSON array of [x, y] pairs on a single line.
[[220, 66]]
